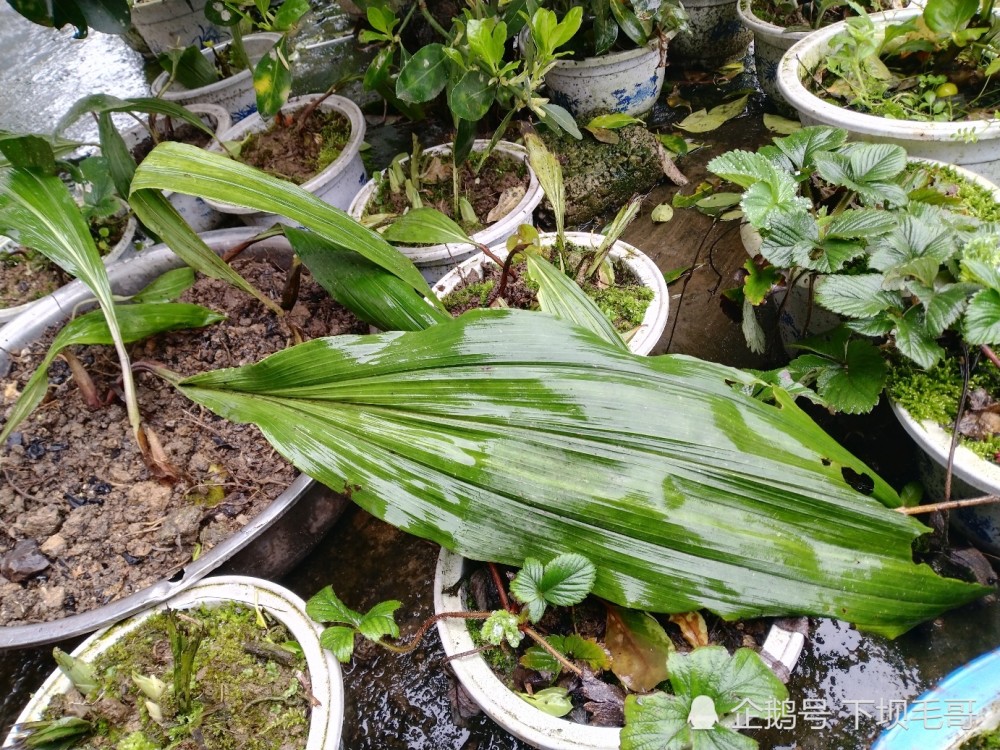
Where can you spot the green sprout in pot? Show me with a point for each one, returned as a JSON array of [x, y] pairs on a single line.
[[803, 15], [623, 24], [938, 65], [471, 68], [272, 74], [557, 648]]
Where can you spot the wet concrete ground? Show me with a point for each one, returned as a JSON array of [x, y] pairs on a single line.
[[402, 703]]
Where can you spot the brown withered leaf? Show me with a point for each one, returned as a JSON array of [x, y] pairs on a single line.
[[436, 171], [605, 702], [693, 628], [639, 647], [605, 135], [507, 202]]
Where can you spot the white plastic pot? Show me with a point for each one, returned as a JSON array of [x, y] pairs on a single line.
[[629, 82], [195, 211], [653, 322], [326, 681], [781, 651], [167, 24], [234, 94], [973, 144], [434, 261], [716, 35], [124, 248], [337, 184], [770, 43]]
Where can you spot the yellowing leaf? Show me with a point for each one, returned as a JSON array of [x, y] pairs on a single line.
[[639, 648], [612, 121], [662, 213], [702, 121], [782, 125], [693, 628], [604, 135]]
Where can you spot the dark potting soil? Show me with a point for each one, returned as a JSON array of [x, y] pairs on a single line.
[[181, 133], [501, 173], [27, 276], [801, 17], [76, 493], [297, 151]]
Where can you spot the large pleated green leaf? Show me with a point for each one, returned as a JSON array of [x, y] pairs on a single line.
[[508, 434], [193, 171]]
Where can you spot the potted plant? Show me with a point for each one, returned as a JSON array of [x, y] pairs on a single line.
[[619, 57], [888, 77], [315, 140], [166, 24], [637, 307], [776, 26], [567, 654], [716, 35], [470, 67], [181, 241], [973, 685], [235, 643], [905, 253], [424, 426]]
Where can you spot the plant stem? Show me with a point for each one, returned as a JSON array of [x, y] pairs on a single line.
[[432, 22], [498, 582], [949, 505], [419, 635]]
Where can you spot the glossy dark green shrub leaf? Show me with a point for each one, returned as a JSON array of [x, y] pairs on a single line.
[[424, 75]]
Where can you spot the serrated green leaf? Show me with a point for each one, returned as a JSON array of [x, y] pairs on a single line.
[[860, 222], [853, 385], [657, 721], [540, 660], [943, 305], [913, 339], [790, 239], [567, 580], [582, 649], [379, 621], [326, 606], [339, 640], [759, 281], [981, 324], [765, 202], [800, 146], [552, 700], [743, 168], [860, 296]]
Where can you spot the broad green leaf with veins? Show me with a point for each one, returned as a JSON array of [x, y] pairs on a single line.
[[451, 434], [563, 581]]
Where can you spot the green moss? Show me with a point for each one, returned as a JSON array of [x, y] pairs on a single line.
[[934, 395], [970, 197], [623, 306], [239, 700], [460, 298], [985, 741], [335, 135]]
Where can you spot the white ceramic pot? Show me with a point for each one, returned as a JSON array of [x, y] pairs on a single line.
[[171, 24], [770, 43], [653, 322], [195, 211], [925, 726], [629, 82], [434, 261], [268, 546], [326, 681], [781, 651], [716, 35], [337, 184], [973, 144], [234, 94], [972, 476], [124, 248]]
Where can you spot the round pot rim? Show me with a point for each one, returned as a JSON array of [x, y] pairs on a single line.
[[653, 322], [798, 96], [326, 719], [744, 9], [935, 441], [58, 306], [516, 715], [432, 254], [181, 93], [255, 122], [977, 681], [608, 58]]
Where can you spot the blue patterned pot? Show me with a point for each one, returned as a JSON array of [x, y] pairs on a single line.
[[716, 35], [770, 43]]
